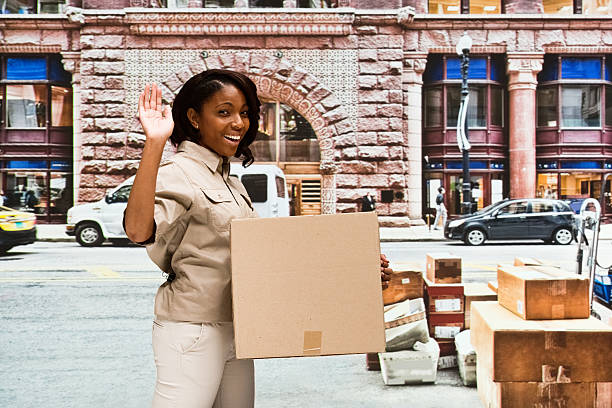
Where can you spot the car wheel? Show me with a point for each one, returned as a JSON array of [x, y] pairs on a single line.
[[89, 235], [475, 237], [563, 236]]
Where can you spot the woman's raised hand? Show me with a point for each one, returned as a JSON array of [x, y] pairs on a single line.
[[156, 122]]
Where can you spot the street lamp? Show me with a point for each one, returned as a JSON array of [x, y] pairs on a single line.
[[463, 50]]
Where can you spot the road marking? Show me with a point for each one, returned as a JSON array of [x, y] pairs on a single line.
[[103, 271], [65, 279]]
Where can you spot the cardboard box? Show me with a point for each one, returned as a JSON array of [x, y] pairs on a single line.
[[537, 293], [372, 362], [307, 286], [445, 326], [519, 350], [403, 285], [476, 292], [466, 358], [444, 298], [405, 312], [524, 261], [411, 366], [540, 394], [443, 268], [447, 348], [493, 286]]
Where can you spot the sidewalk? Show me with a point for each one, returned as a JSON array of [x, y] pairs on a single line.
[[55, 233]]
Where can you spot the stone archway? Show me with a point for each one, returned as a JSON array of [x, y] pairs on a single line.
[[281, 80]]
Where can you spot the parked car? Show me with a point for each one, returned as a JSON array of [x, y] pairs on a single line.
[[16, 228], [545, 219], [93, 223]]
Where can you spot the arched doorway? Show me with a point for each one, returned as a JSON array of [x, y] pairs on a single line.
[[287, 139]]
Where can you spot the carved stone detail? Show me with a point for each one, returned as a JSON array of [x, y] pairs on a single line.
[[523, 70], [415, 64], [233, 23], [75, 15], [405, 16]]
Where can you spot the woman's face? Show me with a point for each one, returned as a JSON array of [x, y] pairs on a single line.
[[222, 121]]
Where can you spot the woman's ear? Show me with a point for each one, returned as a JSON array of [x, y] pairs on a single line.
[[192, 115]]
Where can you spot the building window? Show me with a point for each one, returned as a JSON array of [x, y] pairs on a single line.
[[577, 85], [558, 6], [464, 6], [33, 7], [284, 136], [596, 7], [486, 93], [36, 136]]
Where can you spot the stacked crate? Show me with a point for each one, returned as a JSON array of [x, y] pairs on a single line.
[[404, 285], [444, 299], [538, 346]]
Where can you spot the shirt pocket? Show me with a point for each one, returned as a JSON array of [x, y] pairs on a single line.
[[222, 208]]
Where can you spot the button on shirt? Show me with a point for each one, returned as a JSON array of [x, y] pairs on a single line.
[[195, 200]]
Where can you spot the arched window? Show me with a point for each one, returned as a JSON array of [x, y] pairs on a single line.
[[284, 136]]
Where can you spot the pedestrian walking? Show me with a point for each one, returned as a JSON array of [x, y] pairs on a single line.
[[440, 208], [181, 211], [368, 203]]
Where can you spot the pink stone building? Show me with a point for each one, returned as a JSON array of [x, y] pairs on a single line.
[[359, 95]]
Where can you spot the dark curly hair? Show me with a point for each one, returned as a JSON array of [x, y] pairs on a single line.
[[197, 90]]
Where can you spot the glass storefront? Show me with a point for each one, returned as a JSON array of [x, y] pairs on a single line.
[[36, 136]]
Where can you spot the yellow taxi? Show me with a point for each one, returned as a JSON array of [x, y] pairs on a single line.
[[16, 228]]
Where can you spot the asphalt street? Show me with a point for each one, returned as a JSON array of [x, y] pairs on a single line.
[[76, 332]]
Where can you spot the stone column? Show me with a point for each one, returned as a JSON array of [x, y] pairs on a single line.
[[412, 85], [522, 82], [71, 63]]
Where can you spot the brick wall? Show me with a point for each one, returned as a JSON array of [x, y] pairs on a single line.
[[371, 159], [108, 155]]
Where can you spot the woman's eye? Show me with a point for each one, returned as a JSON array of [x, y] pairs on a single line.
[[223, 112], [244, 113]]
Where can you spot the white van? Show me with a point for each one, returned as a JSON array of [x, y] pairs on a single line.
[[93, 223], [267, 187]]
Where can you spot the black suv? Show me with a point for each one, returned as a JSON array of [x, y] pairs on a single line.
[[532, 218]]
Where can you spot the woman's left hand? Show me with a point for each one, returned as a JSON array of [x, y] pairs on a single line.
[[385, 271]]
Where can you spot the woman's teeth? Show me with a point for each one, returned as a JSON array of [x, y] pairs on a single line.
[[233, 138]]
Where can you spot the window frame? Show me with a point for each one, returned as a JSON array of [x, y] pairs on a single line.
[[488, 83], [560, 83]]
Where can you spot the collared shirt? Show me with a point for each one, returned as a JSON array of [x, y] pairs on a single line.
[[195, 200]]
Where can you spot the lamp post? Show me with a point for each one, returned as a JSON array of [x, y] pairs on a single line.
[[463, 50]]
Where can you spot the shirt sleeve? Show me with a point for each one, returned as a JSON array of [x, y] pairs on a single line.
[[174, 196]]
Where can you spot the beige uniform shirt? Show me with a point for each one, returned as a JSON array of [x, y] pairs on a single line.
[[195, 200]]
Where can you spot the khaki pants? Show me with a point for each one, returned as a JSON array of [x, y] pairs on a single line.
[[197, 367]]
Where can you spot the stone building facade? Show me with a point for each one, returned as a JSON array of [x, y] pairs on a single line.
[[359, 73]]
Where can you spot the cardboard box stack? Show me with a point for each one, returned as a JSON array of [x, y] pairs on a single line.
[[411, 356], [404, 285], [445, 302], [476, 292], [538, 346]]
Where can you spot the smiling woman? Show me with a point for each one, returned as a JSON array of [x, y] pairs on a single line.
[[181, 210]]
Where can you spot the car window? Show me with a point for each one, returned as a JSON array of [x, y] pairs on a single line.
[[257, 187], [122, 195], [280, 187], [542, 206], [519, 207], [562, 207]]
